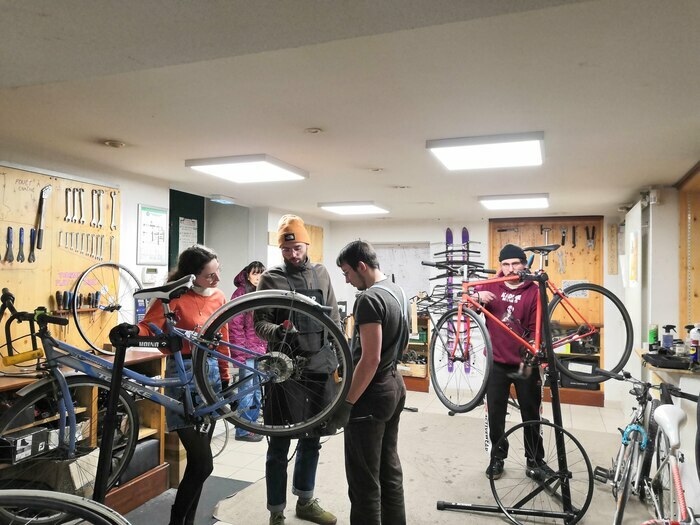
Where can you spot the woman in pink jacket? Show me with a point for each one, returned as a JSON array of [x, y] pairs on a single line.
[[241, 332]]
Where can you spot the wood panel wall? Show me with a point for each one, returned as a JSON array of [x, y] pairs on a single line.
[[57, 267], [689, 271]]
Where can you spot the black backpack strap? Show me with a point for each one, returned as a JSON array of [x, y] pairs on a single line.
[[402, 339]]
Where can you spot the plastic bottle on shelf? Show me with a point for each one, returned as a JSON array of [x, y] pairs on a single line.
[[694, 342], [667, 337]]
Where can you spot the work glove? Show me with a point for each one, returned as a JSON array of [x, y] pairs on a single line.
[[340, 419], [286, 332]]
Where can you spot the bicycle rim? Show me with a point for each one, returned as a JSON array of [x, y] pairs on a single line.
[[629, 466], [34, 458], [61, 508], [662, 482], [592, 329], [522, 489], [648, 454], [220, 438], [115, 285], [290, 401], [460, 360]]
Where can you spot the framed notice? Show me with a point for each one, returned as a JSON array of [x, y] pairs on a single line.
[[152, 236], [187, 234]]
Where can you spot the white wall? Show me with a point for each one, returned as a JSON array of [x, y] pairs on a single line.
[[227, 231]]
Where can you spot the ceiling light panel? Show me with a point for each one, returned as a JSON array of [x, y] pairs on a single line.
[[492, 151], [244, 169], [352, 208], [515, 202]]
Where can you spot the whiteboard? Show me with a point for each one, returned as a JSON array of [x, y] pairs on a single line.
[[403, 261]]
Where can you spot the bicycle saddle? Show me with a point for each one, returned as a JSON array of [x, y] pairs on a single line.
[[542, 250], [168, 291], [670, 418]]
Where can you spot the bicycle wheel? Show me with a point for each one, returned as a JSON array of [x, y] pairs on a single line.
[[590, 320], [33, 454], [220, 438], [628, 469], [111, 288], [61, 508], [534, 482], [460, 361], [662, 481], [289, 377], [648, 455]]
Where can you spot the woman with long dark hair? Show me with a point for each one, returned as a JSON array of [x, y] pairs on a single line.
[[191, 310]]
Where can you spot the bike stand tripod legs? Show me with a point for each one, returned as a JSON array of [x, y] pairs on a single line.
[[541, 481]]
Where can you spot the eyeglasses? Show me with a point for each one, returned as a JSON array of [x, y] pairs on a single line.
[[212, 276], [296, 249]]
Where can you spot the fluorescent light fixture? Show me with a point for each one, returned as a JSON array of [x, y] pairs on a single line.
[[352, 208], [515, 202], [248, 168], [222, 199], [492, 151]]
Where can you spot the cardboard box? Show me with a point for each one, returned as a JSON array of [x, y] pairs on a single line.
[[24, 444], [412, 370], [82, 431]]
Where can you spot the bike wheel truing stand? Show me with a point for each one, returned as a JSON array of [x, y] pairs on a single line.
[[560, 493]]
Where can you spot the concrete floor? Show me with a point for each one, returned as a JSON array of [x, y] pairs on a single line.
[[443, 459]]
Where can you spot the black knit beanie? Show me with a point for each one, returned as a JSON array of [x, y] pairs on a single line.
[[511, 251]]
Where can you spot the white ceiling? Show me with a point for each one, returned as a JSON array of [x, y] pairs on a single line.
[[614, 85]]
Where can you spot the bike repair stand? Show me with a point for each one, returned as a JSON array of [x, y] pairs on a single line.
[[568, 510], [104, 463]]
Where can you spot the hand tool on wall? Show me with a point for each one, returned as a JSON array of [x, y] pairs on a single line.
[[32, 241], [59, 300], [93, 200], [96, 300], [100, 193], [82, 205], [573, 236], [43, 202], [545, 231], [69, 201], [9, 257], [563, 236], [113, 225], [590, 237], [20, 253], [76, 204], [89, 300], [60, 234], [111, 247]]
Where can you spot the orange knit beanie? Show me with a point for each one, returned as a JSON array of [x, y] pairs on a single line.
[[291, 228]]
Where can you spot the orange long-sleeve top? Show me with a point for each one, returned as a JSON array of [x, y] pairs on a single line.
[[191, 311]]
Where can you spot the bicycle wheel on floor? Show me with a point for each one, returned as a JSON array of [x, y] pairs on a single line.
[[220, 438], [35, 456], [460, 360], [534, 481], [662, 479], [590, 329], [309, 372], [107, 292], [43, 506]]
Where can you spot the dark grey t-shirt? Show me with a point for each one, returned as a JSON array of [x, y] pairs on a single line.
[[375, 305]]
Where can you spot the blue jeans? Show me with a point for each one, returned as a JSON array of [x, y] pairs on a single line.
[[249, 405], [175, 421], [304, 470]]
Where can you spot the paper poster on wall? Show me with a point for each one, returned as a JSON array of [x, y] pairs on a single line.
[[187, 234], [152, 236], [633, 274]]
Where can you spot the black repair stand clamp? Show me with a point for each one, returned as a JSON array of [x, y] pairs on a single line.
[[568, 510], [119, 336]]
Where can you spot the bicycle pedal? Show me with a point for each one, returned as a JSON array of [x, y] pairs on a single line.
[[602, 474]]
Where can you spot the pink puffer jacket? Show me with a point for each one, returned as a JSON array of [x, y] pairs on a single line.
[[241, 329]]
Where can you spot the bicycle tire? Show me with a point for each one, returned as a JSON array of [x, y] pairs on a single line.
[[522, 490], [629, 462], [116, 285], [38, 409], [606, 310], [662, 481], [62, 507], [292, 385], [219, 439], [459, 375], [648, 455]]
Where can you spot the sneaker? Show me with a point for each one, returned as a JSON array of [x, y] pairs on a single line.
[[495, 469], [277, 518], [250, 436], [313, 512], [539, 471]]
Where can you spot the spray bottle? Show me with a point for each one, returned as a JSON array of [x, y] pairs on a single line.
[[694, 343], [667, 337]]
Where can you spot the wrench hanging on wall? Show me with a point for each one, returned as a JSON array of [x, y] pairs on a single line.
[[113, 195]]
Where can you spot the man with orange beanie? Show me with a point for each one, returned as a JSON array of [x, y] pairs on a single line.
[[296, 273]]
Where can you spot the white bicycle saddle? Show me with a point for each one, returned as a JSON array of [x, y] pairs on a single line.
[[670, 418]]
